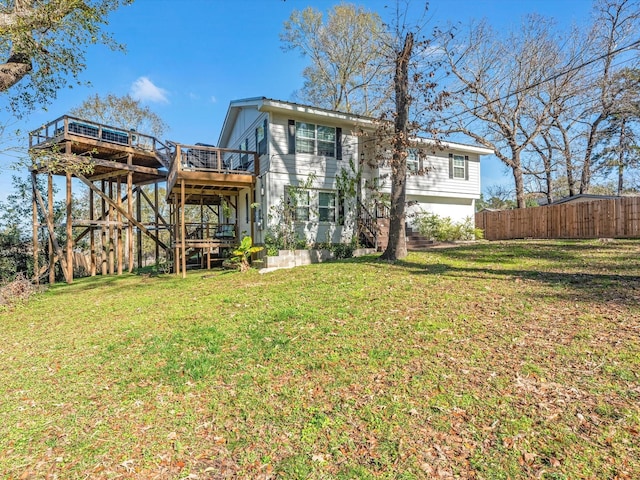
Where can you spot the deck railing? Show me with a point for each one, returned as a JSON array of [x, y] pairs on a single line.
[[66, 125], [208, 231], [206, 158]]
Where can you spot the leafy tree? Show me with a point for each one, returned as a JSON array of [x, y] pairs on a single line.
[[348, 70], [123, 112], [16, 248], [43, 42]]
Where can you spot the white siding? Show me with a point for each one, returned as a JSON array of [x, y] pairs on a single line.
[[324, 168], [458, 209], [436, 181], [244, 127]]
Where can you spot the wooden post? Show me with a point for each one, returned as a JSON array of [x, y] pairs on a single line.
[[69, 224], [110, 218], [36, 246], [119, 243], [183, 230], [139, 218], [174, 221], [92, 239], [103, 232], [52, 256], [52, 236], [156, 221], [130, 210]]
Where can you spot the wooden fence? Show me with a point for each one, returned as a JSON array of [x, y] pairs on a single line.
[[616, 218]]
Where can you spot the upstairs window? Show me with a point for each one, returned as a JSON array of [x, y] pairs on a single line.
[[413, 161], [459, 166], [315, 139]]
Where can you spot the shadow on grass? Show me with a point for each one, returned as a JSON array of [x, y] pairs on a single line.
[[484, 261]]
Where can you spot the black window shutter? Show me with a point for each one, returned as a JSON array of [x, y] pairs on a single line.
[[451, 165], [265, 136], [292, 137], [338, 144], [466, 167]]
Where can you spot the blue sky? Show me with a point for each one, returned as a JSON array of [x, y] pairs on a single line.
[[187, 59]]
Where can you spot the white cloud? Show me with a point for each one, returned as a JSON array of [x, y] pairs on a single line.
[[143, 89], [214, 99]]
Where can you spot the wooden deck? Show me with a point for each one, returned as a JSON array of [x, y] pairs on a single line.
[[121, 162], [113, 152], [205, 174]]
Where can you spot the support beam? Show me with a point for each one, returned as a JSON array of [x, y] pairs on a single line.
[[138, 232], [69, 226], [110, 219], [130, 226], [154, 206], [52, 236], [49, 215], [157, 216], [183, 230], [119, 242], [92, 237], [144, 229], [103, 231], [36, 246]]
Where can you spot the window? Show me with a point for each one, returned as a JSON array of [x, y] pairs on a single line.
[[314, 205], [261, 138], [315, 139], [246, 201], [413, 161], [244, 157], [298, 202], [458, 166], [327, 206]]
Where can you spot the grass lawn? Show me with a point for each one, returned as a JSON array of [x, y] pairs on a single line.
[[497, 360]]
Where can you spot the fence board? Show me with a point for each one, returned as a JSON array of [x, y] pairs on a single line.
[[619, 218]]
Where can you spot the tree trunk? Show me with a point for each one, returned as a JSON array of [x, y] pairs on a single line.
[[519, 182], [585, 179], [621, 156], [397, 246]]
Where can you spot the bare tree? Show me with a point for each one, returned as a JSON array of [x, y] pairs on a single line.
[[397, 246], [493, 94], [348, 69], [122, 112], [615, 27]]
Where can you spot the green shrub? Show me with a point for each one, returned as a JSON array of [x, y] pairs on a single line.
[[443, 229]]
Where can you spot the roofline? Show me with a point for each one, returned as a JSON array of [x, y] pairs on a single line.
[[270, 104], [265, 104]]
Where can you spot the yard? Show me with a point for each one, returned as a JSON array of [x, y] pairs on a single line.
[[496, 360]]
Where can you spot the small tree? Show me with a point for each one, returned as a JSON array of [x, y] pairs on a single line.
[[242, 255]]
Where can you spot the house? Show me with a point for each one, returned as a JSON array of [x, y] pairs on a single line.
[[317, 172], [328, 159]]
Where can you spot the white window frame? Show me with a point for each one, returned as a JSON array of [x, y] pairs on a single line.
[[307, 205], [413, 161], [459, 170], [316, 144], [328, 211]]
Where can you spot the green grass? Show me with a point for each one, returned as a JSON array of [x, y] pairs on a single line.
[[496, 360]]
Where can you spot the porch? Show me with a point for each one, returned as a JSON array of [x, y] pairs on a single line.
[[205, 182]]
